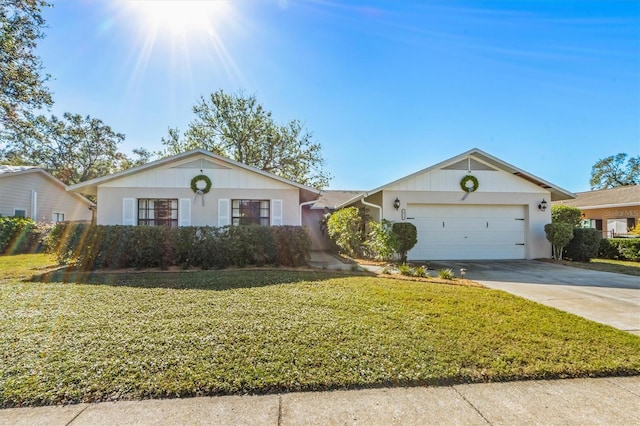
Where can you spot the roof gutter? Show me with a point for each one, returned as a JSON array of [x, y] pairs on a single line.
[[306, 203], [366, 203]]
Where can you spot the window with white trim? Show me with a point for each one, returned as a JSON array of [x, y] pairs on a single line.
[[19, 213], [250, 212], [57, 217], [158, 212]]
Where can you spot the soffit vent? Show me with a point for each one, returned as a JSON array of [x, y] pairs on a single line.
[[200, 165], [469, 164]]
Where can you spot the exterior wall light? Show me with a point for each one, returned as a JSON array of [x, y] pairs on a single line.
[[396, 204], [543, 205]]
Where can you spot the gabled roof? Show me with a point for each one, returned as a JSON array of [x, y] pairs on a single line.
[[13, 171], [622, 196], [90, 186], [331, 199], [557, 193]]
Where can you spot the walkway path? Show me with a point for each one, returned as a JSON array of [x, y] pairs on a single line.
[[605, 401]]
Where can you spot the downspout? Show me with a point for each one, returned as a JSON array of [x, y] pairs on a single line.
[[306, 203], [34, 205], [366, 203]]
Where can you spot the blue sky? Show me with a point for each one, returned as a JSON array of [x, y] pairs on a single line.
[[387, 87]]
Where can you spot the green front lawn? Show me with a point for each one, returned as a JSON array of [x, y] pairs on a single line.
[[626, 267], [168, 334]]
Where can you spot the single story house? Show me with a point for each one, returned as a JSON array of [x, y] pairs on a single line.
[[197, 188], [613, 211], [31, 192], [472, 206]]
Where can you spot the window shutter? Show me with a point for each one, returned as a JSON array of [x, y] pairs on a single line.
[[224, 212], [276, 212], [128, 211], [184, 212]]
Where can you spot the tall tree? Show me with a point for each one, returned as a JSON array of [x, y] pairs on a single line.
[[612, 171], [22, 84], [74, 149], [239, 127]]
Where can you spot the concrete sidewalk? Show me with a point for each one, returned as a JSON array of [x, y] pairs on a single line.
[[606, 401]]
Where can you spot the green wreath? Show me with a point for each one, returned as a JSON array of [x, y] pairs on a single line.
[[469, 178], [194, 184]]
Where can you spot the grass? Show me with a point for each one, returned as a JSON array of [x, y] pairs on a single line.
[[609, 265], [112, 336]]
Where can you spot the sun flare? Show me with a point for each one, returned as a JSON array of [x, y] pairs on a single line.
[[179, 17]]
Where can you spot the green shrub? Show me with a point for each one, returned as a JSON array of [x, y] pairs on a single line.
[[561, 213], [407, 238], [405, 270], [446, 274], [421, 271], [293, 245], [94, 247], [382, 242], [345, 229], [584, 245], [558, 234], [18, 235], [620, 248]]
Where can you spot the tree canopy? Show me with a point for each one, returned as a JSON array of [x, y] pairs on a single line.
[[240, 128], [72, 148], [615, 171], [22, 84]]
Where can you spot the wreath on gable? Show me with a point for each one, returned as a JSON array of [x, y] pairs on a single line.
[[469, 183], [196, 180]]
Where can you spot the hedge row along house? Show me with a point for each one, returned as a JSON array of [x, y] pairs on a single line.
[[472, 206]]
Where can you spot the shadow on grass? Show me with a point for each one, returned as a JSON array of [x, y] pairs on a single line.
[[206, 280]]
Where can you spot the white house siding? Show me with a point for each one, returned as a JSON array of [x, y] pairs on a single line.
[[173, 180], [110, 201], [496, 188], [17, 192], [172, 175]]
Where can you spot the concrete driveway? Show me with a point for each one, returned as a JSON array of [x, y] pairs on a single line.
[[612, 299]]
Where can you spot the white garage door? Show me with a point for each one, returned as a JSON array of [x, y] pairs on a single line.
[[454, 232]]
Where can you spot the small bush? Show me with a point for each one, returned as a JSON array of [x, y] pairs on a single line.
[[620, 248], [558, 234], [446, 274], [421, 271], [345, 228], [584, 245], [407, 238], [18, 235], [561, 213], [405, 270], [382, 242]]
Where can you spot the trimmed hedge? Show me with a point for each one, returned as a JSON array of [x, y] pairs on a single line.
[[95, 247], [21, 235], [584, 245], [620, 248], [407, 238]]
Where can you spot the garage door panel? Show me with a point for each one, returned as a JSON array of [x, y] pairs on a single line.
[[468, 232]]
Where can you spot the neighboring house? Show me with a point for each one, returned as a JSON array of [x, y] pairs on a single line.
[[27, 191], [612, 211], [226, 193], [503, 218]]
